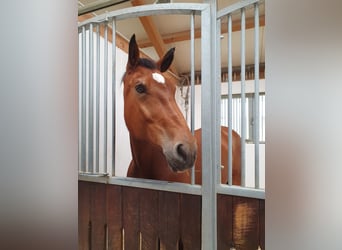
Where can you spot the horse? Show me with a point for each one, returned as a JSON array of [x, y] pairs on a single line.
[[162, 145]]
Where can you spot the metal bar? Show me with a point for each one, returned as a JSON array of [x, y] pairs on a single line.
[[149, 10], [143, 183], [79, 104], [97, 98], [256, 94], [113, 94], [230, 103], [217, 100], [209, 223], [80, 70], [234, 7], [192, 79], [241, 191], [83, 103], [157, 185], [99, 6], [243, 98], [91, 102], [170, 186], [105, 97]]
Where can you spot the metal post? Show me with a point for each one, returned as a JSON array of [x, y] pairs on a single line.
[[192, 79], [209, 206], [230, 103], [243, 98], [105, 97], [80, 101], [256, 92], [113, 93], [97, 98], [217, 100], [91, 102], [83, 103]]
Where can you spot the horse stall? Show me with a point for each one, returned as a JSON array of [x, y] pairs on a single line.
[[119, 212]]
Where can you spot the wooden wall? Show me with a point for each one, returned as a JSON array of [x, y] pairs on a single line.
[[118, 217]]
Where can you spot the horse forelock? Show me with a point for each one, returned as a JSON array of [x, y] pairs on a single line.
[[147, 63], [143, 62]]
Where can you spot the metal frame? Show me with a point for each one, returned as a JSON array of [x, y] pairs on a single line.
[[210, 20]]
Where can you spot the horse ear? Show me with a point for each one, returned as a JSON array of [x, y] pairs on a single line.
[[166, 61], [133, 53]]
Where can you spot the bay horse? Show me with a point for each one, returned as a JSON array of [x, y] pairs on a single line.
[[162, 146]]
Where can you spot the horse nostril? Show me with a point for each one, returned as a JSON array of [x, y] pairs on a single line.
[[181, 152]]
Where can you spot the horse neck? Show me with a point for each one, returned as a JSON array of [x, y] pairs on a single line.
[[147, 158]]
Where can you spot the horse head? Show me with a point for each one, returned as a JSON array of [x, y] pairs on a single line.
[[151, 113]]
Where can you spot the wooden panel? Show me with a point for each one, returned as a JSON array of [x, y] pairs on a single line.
[[98, 215], [245, 224], [149, 219], [114, 217], [224, 221], [169, 220], [83, 215], [191, 221], [130, 206], [262, 223], [163, 220]]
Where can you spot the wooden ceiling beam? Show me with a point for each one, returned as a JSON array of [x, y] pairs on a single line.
[[185, 35]]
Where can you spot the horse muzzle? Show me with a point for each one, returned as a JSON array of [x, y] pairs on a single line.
[[181, 156]]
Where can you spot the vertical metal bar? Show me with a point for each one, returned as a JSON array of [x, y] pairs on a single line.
[[81, 163], [83, 102], [91, 102], [97, 98], [79, 101], [256, 93], [113, 93], [217, 100], [230, 103], [105, 96], [243, 98], [192, 79], [209, 208]]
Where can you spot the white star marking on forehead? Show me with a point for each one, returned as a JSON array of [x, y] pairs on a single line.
[[158, 78]]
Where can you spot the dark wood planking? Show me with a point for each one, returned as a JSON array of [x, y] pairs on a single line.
[[114, 217], [83, 215], [98, 215], [191, 211], [149, 219], [224, 221], [131, 217], [164, 215], [245, 224], [169, 220]]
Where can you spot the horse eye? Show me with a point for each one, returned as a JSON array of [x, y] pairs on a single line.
[[140, 88]]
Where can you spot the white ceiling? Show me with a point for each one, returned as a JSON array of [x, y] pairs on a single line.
[[168, 25]]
